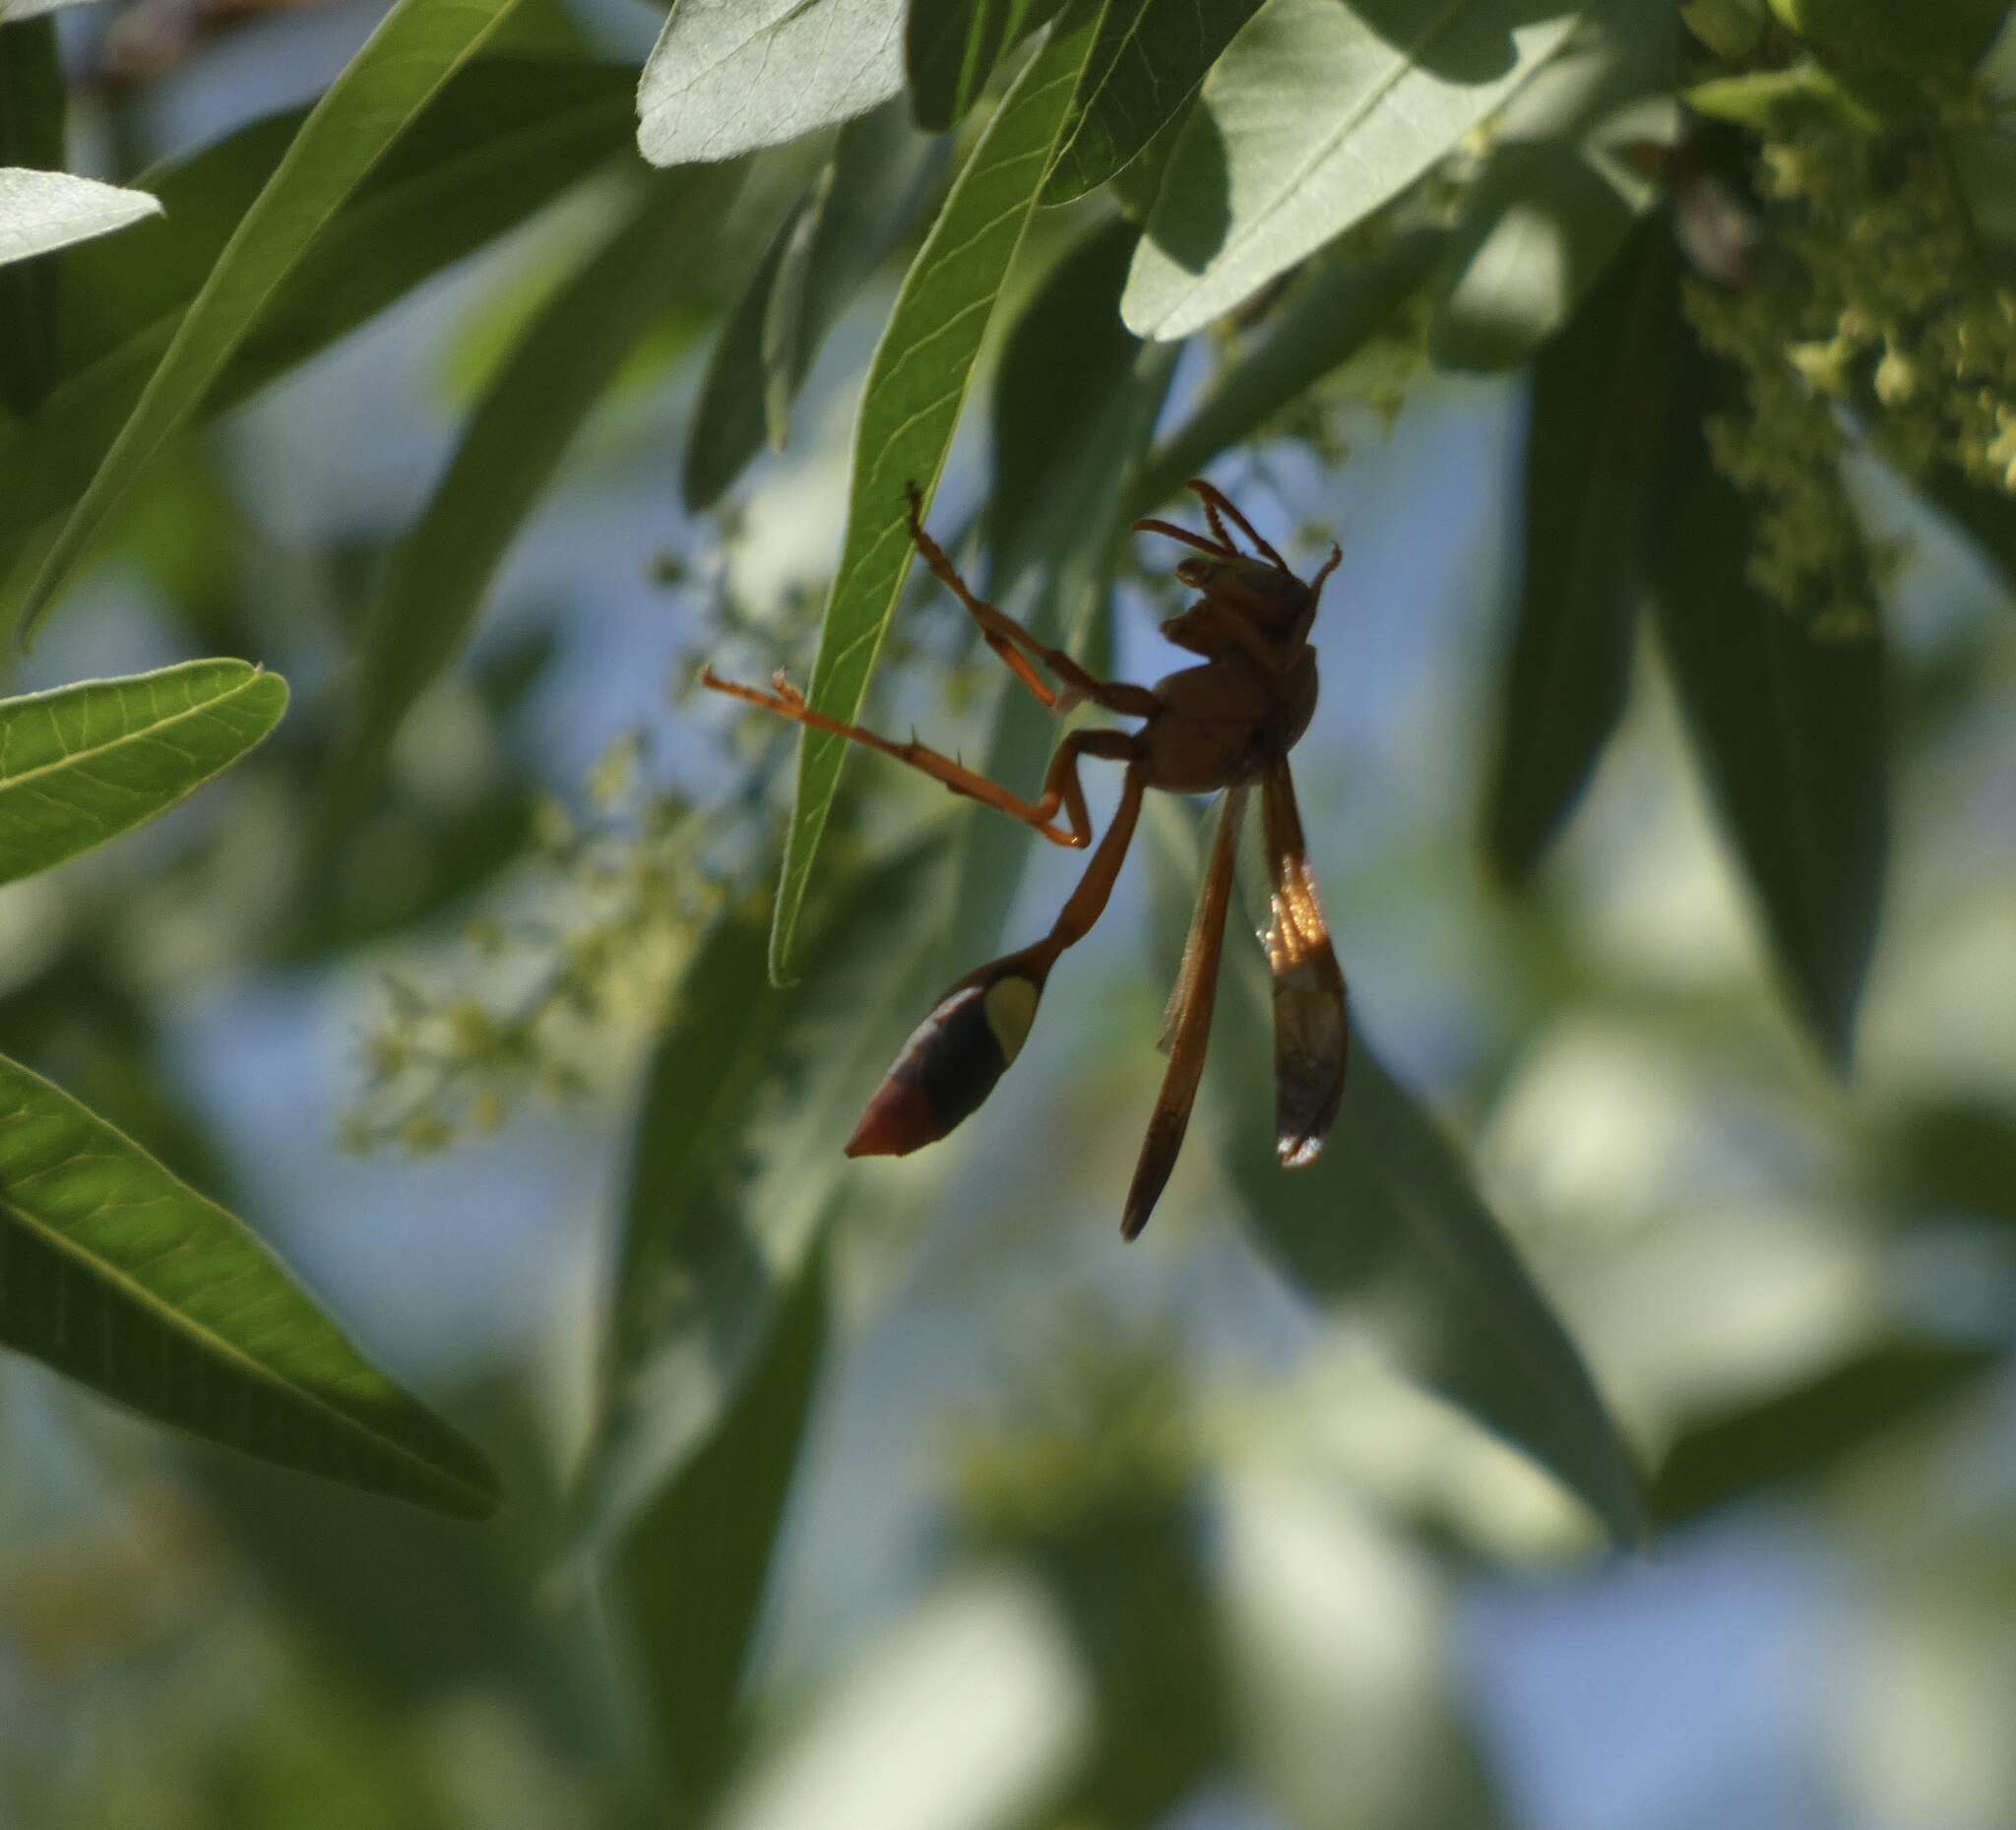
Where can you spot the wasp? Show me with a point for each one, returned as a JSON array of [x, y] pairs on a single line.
[[1224, 725]]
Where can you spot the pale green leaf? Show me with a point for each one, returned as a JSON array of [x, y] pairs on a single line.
[[512, 447], [911, 404], [1148, 64], [1316, 115], [730, 76], [415, 49], [45, 209], [83, 764], [119, 1275]]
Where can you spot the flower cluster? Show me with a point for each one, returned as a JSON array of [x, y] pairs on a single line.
[[1872, 310]]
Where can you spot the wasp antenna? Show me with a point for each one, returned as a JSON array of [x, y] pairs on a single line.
[[1216, 549], [1214, 499]]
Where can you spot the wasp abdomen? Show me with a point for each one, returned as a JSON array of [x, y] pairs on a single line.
[[949, 1065]]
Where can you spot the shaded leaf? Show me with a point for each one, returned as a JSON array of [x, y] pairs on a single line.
[[83, 764], [1598, 402], [404, 62], [509, 452], [503, 137], [910, 405], [736, 1168], [45, 209], [129, 1280], [1789, 727], [690, 1574], [1387, 1231], [1316, 115], [31, 121], [730, 76], [952, 46], [849, 221], [1563, 189], [1332, 312], [1147, 65], [1984, 165]]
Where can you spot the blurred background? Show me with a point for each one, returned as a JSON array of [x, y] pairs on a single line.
[[1130, 1516]]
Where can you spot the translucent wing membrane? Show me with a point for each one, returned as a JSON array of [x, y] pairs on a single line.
[[1311, 1031]]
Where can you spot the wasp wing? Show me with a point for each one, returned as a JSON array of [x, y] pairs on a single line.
[[1186, 1025], [1311, 1028]]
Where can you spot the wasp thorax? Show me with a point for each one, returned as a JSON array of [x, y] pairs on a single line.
[[949, 1065]]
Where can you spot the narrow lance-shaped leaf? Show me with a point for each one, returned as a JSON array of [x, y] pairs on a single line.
[[1599, 401], [83, 764], [404, 62], [911, 404], [45, 209], [730, 76], [122, 1277], [503, 137], [1147, 66], [847, 222], [1386, 1231], [1788, 726], [508, 455], [31, 123], [1316, 114], [952, 46], [689, 1576]]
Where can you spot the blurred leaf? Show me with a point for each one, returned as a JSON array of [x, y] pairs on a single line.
[[1780, 101], [45, 209], [82, 764], [1147, 66], [952, 46], [121, 1276], [736, 1168], [690, 1573], [1796, 1434], [1386, 1230], [17, 12], [909, 407], [1731, 29], [1986, 518], [506, 459], [1933, 35], [1952, 1158], [1559, 196], [1332, 311], [414, 49], [1789, 728], [1075, 402], [847, 224], [729, 76], [1316, 115], [1984, 164], [1598, 402], [31, 121]]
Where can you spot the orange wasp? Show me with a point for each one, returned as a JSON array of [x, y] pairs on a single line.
[[1227, 723]]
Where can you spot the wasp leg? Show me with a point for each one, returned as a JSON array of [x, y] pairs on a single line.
[[1062, 790], [1010, 640]]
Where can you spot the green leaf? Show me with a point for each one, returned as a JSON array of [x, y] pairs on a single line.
[[1780, 101], [1789, 728], [1559, 196], [738, 1168], [1329, 314], [689, 1576], [502, 138], [83, 764], [850, 219], [45, 209], [1387, 1231], [508, 455], [909, 407], [413, 51], [1599, 400], [730, 76], [1075, 402], [122, 1277], [952, 46], [1316, 115], [1147, 65], [1985, 167], [31, 122]]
